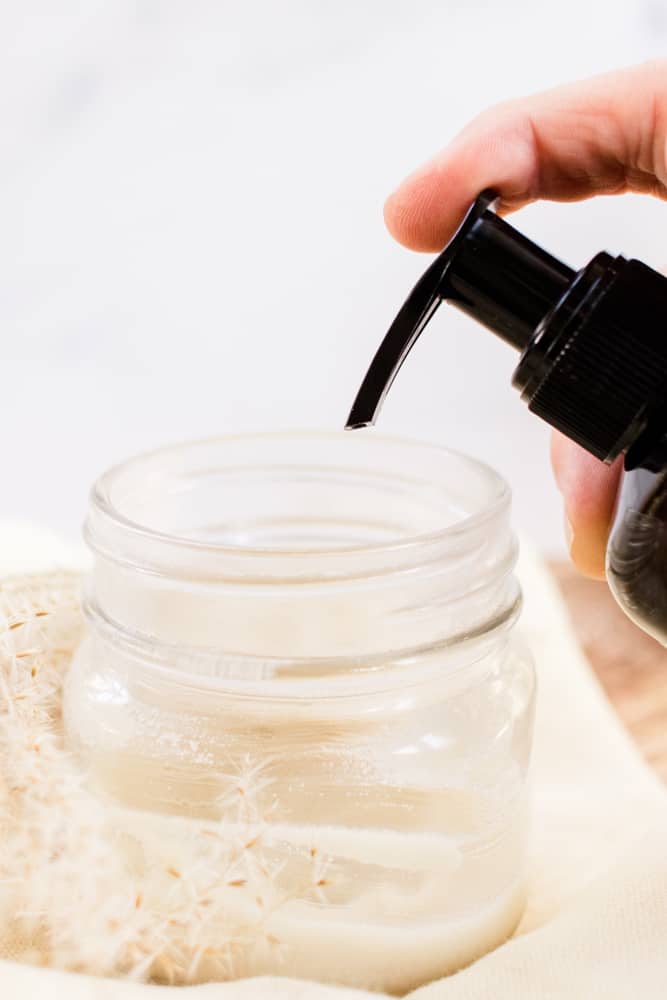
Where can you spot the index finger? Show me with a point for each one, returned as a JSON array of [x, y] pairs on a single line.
[[601, 136]]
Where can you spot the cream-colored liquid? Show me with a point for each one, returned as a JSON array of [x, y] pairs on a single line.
[[391, 959], [395, 912], [394, 844]]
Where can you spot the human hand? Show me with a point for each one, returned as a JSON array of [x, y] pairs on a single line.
[[607, 135]]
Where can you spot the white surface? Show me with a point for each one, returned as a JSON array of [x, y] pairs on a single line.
[[192, 239]]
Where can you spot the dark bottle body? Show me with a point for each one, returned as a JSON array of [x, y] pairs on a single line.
[[637, 550]]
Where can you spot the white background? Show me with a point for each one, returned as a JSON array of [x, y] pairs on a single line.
[[191, 235]]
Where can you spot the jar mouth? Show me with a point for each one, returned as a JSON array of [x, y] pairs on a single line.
[[307, 500]]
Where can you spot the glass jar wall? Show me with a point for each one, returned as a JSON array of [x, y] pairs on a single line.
[[311, 634]]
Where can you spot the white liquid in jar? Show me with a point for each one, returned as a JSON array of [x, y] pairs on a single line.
[[419, 878], [398, 909]]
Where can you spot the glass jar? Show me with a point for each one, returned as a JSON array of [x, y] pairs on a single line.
[[312, 632]]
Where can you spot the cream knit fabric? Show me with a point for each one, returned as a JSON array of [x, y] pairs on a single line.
[[596, 922]]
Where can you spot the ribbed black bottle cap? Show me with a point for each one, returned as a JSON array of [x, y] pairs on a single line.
[[596, 367]]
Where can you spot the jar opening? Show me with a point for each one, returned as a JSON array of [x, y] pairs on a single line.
[[292, 504], [302, 547]]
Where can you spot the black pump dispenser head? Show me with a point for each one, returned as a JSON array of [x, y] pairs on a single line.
[[488, 270], [593, 343]]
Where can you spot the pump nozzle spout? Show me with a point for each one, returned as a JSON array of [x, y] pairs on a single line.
[[488, 270], [413, 316]]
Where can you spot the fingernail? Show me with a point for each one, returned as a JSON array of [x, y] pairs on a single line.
[[586, 549]]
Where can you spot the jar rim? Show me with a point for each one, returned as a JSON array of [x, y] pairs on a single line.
[[408, 590], [100, 494], [102, 505]]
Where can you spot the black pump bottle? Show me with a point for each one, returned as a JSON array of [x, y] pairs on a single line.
[[593, 363]]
